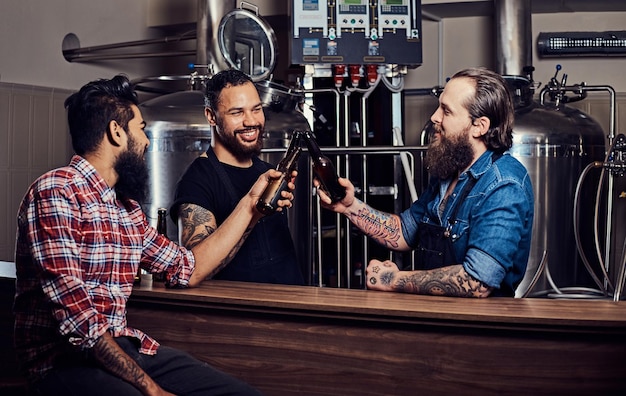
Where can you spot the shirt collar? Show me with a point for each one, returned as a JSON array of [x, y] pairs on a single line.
[[92, 178], [482, 164]]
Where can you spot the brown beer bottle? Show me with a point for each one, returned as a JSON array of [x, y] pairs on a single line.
[[268, 203], [324, 170], [162, 221], [161, 229]]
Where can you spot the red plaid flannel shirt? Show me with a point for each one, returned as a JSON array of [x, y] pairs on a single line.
[[78, 250]]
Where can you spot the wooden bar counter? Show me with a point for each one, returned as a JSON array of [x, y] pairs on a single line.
[[293, 340]]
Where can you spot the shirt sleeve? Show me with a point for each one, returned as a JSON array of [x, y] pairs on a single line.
[[163, 255], [194, 187], [53, 233]]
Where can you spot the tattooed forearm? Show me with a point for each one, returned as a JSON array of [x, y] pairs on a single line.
[[384, 228], [197, 224], [232, 252], [115, 360], [451, 281]]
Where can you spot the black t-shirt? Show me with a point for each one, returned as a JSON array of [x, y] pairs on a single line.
[[268, 254]]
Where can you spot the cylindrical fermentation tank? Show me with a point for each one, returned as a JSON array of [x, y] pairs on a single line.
[[178, 132], [556, 144]]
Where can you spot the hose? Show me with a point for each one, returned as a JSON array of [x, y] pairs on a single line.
[[595, 164]]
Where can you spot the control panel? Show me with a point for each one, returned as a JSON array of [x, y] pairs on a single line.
[[353, 15], [356, 32]]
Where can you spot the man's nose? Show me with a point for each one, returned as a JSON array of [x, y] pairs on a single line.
[[436, 116]]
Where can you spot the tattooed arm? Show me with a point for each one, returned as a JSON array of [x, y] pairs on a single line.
[[117, 362], [214, 247], [384, 228], [452, 281], [195, 224]]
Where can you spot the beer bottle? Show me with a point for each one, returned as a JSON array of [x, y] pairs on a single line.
[[268, 203], [324, 170], [162, 221], [161, 229]]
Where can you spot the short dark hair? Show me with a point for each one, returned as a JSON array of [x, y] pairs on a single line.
[[493, 100], [94, 106], [221, 80]]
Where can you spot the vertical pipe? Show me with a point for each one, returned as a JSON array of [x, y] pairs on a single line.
[[365, 178], [210, 13], [513, 25]]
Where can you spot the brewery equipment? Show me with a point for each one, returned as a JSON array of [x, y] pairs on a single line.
[[555, 142]]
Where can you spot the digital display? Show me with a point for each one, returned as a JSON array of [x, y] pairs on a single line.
[[392, 2], [310, 5], [352, 2]]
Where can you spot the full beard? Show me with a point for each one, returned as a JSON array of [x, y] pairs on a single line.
[[446, 158], [132, 175], [235, 147]]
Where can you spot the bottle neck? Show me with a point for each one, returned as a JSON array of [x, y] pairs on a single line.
[[314, 148]]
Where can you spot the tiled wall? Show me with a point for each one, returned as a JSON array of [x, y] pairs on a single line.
[[33, 139]]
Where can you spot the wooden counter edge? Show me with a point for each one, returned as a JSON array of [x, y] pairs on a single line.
[[603, 316]]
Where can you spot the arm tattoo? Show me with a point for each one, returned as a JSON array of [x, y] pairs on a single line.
[[197, 224], [384, 228], [231, 253], [451, 281], [116, 361]]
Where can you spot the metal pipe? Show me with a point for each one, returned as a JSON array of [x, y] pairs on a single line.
[[93, 58], [513, 33], [79, 54], [391, 150], [210, 13]]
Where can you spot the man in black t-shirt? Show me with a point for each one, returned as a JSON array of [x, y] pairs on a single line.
[[215, 183]]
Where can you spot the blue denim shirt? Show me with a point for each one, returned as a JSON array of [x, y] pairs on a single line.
[[491, 237]]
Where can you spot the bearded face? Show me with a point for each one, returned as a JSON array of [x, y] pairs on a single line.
[[132, 173], [242, 143], [238, 122], [448, 154]]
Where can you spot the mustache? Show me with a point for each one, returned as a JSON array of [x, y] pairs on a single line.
[[258, 127]]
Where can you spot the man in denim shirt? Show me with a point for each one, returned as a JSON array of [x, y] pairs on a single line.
[[471, 228]]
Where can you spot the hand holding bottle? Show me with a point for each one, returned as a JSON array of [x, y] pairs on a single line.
[[263, 183], [268, 203], [338, 206], [324, 170]]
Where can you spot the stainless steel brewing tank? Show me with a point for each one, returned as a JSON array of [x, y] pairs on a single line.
[[556, 144], [178, 133]]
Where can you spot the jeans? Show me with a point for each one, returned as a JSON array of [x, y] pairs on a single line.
[[175, 371]]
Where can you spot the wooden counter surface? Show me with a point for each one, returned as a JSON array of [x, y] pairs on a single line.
[[288, 340], [565, 315]]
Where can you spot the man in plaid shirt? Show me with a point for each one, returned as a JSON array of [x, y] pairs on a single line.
[[82, 237]]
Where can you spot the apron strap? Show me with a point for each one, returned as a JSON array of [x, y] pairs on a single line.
[[257, 164], [219, 168]]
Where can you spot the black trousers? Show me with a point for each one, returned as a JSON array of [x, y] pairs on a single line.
[[175, 371]]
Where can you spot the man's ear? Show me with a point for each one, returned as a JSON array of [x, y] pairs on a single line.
[[481, 125], [115, 133], [210, 116]]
